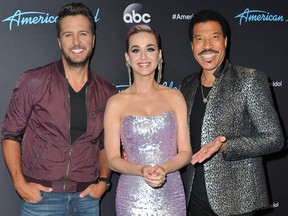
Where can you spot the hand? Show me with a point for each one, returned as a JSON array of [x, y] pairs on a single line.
[[154, 176], [95, 190], [124, 156], [30, 191], [209, 149]]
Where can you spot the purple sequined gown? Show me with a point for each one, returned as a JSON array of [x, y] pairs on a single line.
[[150, 140]]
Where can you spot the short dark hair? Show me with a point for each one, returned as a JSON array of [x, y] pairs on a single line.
[[142, 28], [73, 9], [208, 15]]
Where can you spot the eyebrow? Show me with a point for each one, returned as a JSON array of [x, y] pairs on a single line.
[[71, 31], [148, 45], [217, 33], [214, 33]]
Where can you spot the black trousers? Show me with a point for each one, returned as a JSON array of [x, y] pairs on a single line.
[[203, 214], [208, 213], [197, 208]]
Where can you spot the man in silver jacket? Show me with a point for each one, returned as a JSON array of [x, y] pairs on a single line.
[[233, 123]]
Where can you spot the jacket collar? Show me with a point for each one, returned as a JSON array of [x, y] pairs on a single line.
[[222, 68], [62, 72]]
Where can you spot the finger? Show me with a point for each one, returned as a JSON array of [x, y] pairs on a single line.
[[151, 181], [195, 160], [201, 156], [157, 176], [217, 144], [160, 184], [201, 160], [84, 193], [156, 180], [146, 170], [160, 171], [197, 155], [45, 189], [222, 139], [155, 184], [152, 171]]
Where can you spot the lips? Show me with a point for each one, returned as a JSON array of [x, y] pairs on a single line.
[[208, 56], [77, 51], [144, 64]]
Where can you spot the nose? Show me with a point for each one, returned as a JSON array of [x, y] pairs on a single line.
[[143, 55], [207, 44], [76, 40]]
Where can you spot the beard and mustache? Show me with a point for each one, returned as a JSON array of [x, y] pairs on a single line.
[[77, 64], [208, 51]]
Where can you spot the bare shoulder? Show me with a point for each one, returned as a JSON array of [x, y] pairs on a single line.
[[173, 94], [117, 100], [175, 98]]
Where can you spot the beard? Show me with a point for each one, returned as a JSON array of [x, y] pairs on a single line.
[[77, 64]]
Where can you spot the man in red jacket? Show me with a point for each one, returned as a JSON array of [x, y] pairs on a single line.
[[53, 128]]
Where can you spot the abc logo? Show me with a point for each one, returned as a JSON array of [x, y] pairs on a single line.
[[133, 15], [136, 17]]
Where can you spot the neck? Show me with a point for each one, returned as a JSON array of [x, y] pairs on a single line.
[[207, 79], [142, 87], [77, 77]]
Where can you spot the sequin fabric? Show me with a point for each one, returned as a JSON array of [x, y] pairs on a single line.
[[240, 107], [150, 140]]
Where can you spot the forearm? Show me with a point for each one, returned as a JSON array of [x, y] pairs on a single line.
[[125, 167], [104, 170], [12, 156], [176, 163], [248, 147]]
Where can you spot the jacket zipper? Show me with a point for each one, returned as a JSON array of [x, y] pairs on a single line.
[[70, 144], [68, 166]]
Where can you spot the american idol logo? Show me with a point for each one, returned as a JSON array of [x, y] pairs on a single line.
[[276, 84], [20, 18], [133, 15], [259, 16], [124, 86]]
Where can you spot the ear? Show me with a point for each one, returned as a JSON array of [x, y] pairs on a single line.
[[59, 43], [160, 54], [226, 41], [127, 57], [94, 40], [192, 45]]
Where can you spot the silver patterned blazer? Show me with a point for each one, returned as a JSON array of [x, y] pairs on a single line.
[[240, 107]]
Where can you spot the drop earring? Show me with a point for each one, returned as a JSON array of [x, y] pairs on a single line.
[[159, 74], [129, 72]]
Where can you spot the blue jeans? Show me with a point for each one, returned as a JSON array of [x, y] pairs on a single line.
[[62, 204]]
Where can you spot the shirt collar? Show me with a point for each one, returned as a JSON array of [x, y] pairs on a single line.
[[222, 68]]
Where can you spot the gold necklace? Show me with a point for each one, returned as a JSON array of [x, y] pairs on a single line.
[[205, 99]]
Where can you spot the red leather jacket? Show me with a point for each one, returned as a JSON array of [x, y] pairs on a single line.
[[38, 116]]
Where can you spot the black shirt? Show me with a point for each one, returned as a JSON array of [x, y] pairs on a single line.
[[78, 113], [196, 120]]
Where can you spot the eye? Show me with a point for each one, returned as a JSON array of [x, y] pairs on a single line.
[[83, 34], [67, 35], [135, 50], [216, 36], [150, 49]]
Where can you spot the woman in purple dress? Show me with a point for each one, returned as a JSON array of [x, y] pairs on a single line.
[[151, 122]]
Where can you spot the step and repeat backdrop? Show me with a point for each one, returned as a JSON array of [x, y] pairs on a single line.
[[259, 39]]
